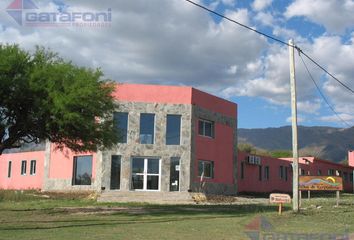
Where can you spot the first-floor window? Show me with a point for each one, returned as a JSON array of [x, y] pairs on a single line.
[[23, 167], [266, 172], [115, 171], [283, 173], [319, 172], [345, 176], [331, 172], [33, 167], [260, 173], [242, 170], [9, 169], [82, 170], [206, 169], [351, 177], [145, 174]]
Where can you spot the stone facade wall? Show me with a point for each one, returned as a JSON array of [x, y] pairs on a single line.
[[159, 149]]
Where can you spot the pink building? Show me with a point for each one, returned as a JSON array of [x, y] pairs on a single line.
[[174, 140], [266, 174], [171, 138]]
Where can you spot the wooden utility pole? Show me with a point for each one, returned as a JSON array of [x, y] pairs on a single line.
[[294, 128]]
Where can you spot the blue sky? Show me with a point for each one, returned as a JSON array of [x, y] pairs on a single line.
[[173, 42]]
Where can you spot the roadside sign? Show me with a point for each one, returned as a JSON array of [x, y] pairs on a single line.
[[279, 199]]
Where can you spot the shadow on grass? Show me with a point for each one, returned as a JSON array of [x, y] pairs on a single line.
[[147, 215]]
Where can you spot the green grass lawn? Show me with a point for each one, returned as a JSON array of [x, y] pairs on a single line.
[[25, 216]]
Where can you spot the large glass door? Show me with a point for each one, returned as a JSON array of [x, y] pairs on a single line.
[[145, 174]]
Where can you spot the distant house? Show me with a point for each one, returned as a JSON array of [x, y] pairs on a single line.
[[173, 141]]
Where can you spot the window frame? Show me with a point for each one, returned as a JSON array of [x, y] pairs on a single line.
[[117, 158], [23, 167], [203, 134], [115, 120], [145, 174], [260, 173], [266, 173], [33, 167], [74, 183], [9, 169], [212, 169], [153, 129], [179, 132]]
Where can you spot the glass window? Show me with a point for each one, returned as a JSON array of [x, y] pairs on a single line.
[[82, 170], [331, 172], [266, 172], [33, 167], [351, 177], [23, 167], [281, 172], [115, 172], [260, 173], [121, 125], [173, 130], [9, 169], [286, 173], [147, 127], [206, 169], [319, 172], [145, 174], [345, 176], [242, 170], [206, 128]]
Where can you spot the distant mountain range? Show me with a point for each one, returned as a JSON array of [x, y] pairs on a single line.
[[324, 142]]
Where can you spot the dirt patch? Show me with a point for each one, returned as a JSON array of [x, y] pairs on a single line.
[[101, 210], [220, 199]]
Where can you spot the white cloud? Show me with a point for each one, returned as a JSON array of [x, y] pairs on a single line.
[[265, 18], [300, 119], [259, 5], [348, 118], [309, 106], [334, 15]]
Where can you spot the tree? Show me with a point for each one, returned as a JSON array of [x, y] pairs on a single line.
[[44, 97]]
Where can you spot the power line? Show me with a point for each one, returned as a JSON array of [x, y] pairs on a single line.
[[273, 38], [238, 23], [318, 65], [322, 95]]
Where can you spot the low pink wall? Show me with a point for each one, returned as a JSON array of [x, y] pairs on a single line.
[[62, 163], [18, 181], [219, 150], [251, 182]]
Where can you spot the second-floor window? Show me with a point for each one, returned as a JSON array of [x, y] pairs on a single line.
[[121, 125], [206, 128], [147, 128], [173, 130]]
